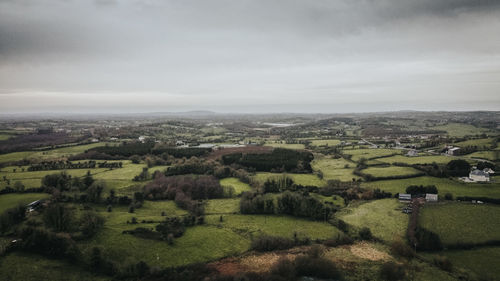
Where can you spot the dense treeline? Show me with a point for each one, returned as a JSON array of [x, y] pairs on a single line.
[[11, 217], [187, 152], [195, 187], [28, 142], [287, 203], [279, 160], [64, 165], [126, 150], [420, 189]]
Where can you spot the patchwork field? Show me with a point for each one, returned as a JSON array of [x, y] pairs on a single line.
[[493, 155], [303, 179], [325, 142], [439, 159], [479, 143], [49, 154], [8, 201], [383, 217], [391, 171], [462, 222], [443, 185], [239, 186], [482, 262], [334, 169], [460, 130], [357, 154], [29, 267], [286, 145]]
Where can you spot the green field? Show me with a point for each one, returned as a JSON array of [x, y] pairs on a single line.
[[383, 217], [390, 171], [286, 145], [223, 206], [444, 186], [335, 199], [54, 153], [439, 159], [29, 267], [462, 222], [370, 153], [325, 142], [460, 130], [480, 143], [255, 225], [5, 137], [482, 262], [12, 200], [303, 179], [238, 185], [493, 155], [333, 169]]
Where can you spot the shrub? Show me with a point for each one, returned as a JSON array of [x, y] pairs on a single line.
[[59, 218], [314, 265], [400, 248], [392, 271], [271, 243], [284, 268], [448, 196], [443, 262], [365, 233], [428, 240], [90, 223]]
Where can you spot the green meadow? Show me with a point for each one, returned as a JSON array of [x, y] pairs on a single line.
[[370, 153], [8, 201], [303, 179], [439, 159], [462, 222], [460, 130], [239, 186], [334, 169], [390, 171], [383, 217], [444, 185]]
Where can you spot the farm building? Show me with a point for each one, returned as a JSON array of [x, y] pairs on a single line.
[[33, 205], [452, 150], [429, 197], [404, 197], [412, 152], [479, 176], [488, 170]]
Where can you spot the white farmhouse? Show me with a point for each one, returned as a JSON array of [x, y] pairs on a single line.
[[453, 150], [429, 197], [479, 176]]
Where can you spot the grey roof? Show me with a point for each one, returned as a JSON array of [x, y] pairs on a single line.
[[479, 173]]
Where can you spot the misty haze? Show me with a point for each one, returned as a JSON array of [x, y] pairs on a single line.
[[231, 140]]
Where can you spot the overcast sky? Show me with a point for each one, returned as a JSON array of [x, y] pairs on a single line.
[[249, 56]]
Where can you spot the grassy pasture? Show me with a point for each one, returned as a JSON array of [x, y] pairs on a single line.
[[255, 225], [335, 199], [325, 142], [462, 222], [493, 155], [333, 169], [29, 267], [444, 186], [439, 159], [483, 262], [460, 130], [8, 201], [303, 179], [370, 153], [238, 185], [286, 145], [48, 154], [480, 143], [381, 216], [390, 171], [223, 206]]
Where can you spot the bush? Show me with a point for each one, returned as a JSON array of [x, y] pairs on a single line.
[[400, 248], [90, 223], [443, 262], [428, 240], [392, 271], [448, 196], [59, 218], [365, 233], [314, 265], [284, 268], [338, 241], [270, 243]]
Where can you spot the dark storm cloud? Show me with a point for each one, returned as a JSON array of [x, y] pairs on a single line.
[[229, 53]]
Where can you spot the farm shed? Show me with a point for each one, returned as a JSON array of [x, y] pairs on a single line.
[[453, 150], [404, 197], [479, 176], [429, 197]]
